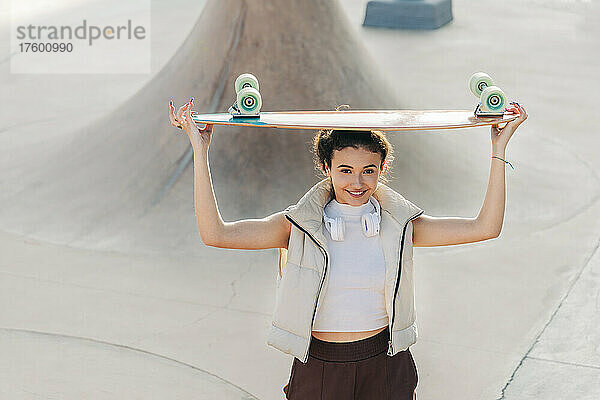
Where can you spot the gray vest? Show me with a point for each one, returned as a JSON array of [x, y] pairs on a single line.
[[306, 263]]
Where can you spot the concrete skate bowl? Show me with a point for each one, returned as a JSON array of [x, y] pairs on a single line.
[[125, 182], [76, 367]]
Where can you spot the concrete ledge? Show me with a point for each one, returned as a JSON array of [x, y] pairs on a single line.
[[408, 14]]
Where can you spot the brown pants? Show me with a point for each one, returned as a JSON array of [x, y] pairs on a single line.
[[359, 370]]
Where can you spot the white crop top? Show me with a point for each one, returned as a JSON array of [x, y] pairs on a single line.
[[353, 300]]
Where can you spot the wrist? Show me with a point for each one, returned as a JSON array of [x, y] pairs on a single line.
[[502, 159]]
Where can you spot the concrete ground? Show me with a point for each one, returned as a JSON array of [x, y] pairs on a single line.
[[512, 318]]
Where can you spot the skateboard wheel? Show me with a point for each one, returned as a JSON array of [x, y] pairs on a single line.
[[493, 100], [246, 80], [249, 101], [478, 82]]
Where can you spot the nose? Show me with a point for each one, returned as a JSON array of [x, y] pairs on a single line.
[[358, 180]]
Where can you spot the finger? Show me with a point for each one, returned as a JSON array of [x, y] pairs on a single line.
[[520, 108], [187, 112], [176, 124], [172, 118], [181, 110], [514, 109], [188, 115], [523, 113]]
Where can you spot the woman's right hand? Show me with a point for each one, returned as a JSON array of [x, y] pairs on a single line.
[[183, 120]]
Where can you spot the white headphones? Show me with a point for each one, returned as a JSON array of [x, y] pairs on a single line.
[[369, 222]]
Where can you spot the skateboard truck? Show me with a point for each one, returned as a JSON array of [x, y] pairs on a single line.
[[235, 112], [479, 113]]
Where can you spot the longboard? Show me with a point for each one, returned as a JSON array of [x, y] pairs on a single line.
[[384, 120], [245, 111]]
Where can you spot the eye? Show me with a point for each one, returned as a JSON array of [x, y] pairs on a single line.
[[345, 169], [370, 171]]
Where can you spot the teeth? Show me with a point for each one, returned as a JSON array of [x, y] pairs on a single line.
[[357, 193]]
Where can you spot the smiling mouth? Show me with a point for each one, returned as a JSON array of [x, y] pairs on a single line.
[[356, 194]]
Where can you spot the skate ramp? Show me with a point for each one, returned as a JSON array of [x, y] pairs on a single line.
[[125, 182]]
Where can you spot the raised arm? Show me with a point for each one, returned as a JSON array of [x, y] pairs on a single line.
[[269, 232], [431, 231]]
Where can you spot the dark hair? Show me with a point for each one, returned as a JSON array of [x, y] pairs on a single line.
[[326, 141]]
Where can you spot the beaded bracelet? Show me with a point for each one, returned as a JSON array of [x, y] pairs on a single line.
[[504, 161]]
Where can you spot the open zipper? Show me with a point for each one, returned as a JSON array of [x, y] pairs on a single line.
[[390, 349], [320, 285]]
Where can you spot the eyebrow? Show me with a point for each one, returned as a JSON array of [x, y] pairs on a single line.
[[348, 166]]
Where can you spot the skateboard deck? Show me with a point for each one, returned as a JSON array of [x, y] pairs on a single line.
[[384, 120]]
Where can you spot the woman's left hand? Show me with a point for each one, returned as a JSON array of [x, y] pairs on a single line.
[[501, 136]]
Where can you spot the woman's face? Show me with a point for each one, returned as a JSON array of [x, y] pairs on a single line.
[[354, 170]]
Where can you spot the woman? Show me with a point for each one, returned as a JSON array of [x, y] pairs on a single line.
[[345, 299]]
